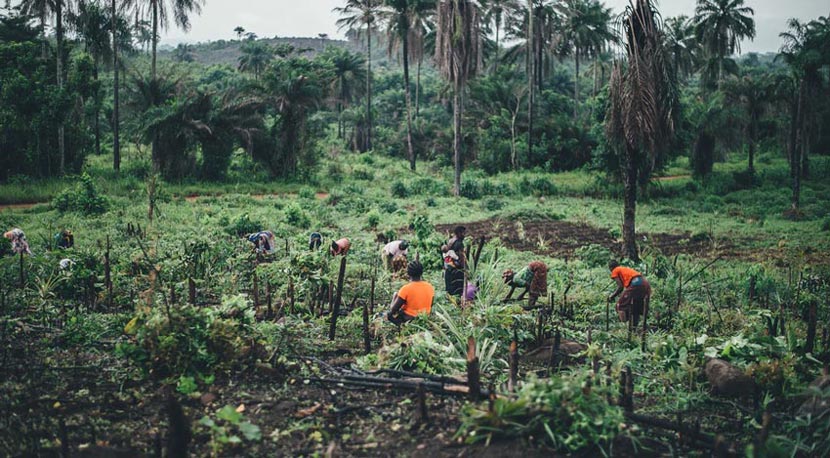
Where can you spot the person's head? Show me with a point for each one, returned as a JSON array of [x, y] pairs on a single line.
[[315, 241], [460, 231], [334, 247], [414, 270], [613, 264], [404, 244], [507, 276]]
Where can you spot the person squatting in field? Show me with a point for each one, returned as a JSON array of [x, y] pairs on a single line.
[[635, 289], [314, 241], [18, 241], [414, 298], [340, 247], [392, 250], [64, 239], [533, 278], [455, 262], [264, 242]]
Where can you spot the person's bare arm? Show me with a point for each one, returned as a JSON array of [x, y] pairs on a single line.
[[522, 296], [510, 294], [397, 304], [619, 289]]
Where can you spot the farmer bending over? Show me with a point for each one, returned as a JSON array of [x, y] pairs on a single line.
[[533, 278], [414, 298], [314, 241], [455, 261], [264, 242], [635, 289], [18, 241], [392, 250], [340, 247], [65, 239]]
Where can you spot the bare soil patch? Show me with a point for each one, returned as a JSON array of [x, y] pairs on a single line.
[[562, 238]]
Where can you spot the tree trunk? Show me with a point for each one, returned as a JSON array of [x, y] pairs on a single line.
[[798, 147], [97, 110], [59, 39], [408, 95], [44, 45], [576, 84], [496, 60], [116, 147], [369, 87], [630, 205], [530, 80], [155, 13], [456, 117], [418, 89]]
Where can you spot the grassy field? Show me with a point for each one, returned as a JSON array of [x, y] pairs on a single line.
[[247, 360]]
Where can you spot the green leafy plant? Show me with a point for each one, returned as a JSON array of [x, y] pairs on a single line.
[[83, 198], [229, 428]]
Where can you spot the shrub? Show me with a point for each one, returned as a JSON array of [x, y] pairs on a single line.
[[361, 173], [242, 225], [335, 172], [471, 189], [399, 189], [307, 193], [389, 206], [492, 204], [825, 226], [82, 198], [537, 186], [594, 255], [295, 216], [373, 219]]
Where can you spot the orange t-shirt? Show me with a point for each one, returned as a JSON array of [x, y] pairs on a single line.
[[625, 274], [417, 297]]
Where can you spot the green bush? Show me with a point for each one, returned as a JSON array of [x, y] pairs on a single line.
[[594, 255], [399, 189], [242, 225], [82, 198], [471, 189], [295, 216], [492, 204], [537, 186]]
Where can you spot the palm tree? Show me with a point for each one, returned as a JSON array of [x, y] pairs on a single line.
[[642, 105], [682, 45], [402, 29], [720, 25], [495, 13], [349, 68], [183, 53], [587, 30], [255, 57], [239, 30], [41, 9], [458, 57], [160, 12], [358, 15], [752, 92]]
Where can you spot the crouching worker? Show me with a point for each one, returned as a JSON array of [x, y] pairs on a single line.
[[393, 250], [414, 298], [18, 241], [340, 247], [635, 289], [64, 239], [314, 241], [533, 278], [264, 242]]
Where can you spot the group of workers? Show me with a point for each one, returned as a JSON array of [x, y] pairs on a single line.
[[416, 297]]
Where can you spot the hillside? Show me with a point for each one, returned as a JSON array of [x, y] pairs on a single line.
[[228, 51]]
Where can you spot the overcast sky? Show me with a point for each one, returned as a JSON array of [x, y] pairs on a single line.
[[304, 18]]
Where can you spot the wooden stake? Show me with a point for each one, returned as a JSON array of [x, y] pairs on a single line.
[[269, 299], [372, 296], [645, 322], [513, 362], [629, 390], [108, 273], [367, 340], [291, 295], [256, 290], [473, 375], [607, 315], [191, 290], [423, 413], [336, 306], [22, 273], [811, 328], [554, 352], [172, 293]]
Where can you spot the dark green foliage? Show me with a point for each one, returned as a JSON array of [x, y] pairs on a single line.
[[243, 225], [83, 198], [594, 255], [399, 189], [297, 217]]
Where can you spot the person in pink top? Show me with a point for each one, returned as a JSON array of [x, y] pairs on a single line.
[[340, 247]]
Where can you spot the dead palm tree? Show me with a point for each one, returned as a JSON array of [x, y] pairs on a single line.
[[642, 107], [458, 57]]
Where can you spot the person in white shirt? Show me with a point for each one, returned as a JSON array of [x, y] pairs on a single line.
[[392, 250]]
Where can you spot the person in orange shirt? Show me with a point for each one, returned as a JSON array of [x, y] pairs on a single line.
[[635, 289], [414, 298]]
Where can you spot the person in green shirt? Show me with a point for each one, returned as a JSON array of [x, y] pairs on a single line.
[[533, 278]]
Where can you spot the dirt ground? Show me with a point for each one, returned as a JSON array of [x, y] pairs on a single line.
[[561, 239]]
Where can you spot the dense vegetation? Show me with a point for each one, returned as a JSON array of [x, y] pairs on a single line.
[[534, 123]]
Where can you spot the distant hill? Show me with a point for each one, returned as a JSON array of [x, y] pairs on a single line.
[[228, 51]]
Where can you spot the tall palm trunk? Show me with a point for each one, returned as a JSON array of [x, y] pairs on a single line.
[[797, 145], [154, 6], [576, 84], [116, 146], [630, 205], [753, 129], [97, 110], [369, 86], [408, 95], [418, 88], [59, 39], [458, 100], [530, 78], [496, 60], [44, 45]]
